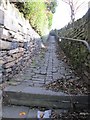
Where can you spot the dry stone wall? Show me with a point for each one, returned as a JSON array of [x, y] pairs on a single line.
[[81, 28], [18, 41], [77, 52]]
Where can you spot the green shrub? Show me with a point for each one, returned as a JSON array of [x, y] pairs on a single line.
[[39, 13]]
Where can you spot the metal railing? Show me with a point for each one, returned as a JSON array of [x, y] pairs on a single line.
[[77, 40], [78, 52]]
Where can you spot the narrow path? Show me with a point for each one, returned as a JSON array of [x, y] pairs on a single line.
[[44, 68], [27, 92]]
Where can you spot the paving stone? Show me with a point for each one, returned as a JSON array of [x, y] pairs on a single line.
[[37, 71], [49, 74], [38, 85], [38, 79], [40, 82], [39, 76], [62, 76], [56, 76], [43, 72], [49, 79], [35, 77], [54, 70]]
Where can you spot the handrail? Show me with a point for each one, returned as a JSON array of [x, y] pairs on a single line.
[[78, 40]]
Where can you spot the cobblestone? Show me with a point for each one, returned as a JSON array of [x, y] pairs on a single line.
[[44, 68]]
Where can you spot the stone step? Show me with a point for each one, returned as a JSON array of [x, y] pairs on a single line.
[[18, 113], [12, 112], [34, 96]]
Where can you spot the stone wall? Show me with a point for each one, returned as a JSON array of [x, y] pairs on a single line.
[[81, 28], [77, 52], [18, 41]]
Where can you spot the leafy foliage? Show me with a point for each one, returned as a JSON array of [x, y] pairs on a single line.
[[50, 17], [37, 13], [51, 5]]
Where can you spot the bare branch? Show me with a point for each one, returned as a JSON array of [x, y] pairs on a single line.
[[76, 2], [74, 6], [79, 6], [85, 5], [66, 1]]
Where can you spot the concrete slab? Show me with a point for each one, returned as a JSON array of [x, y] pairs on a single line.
[[36, 96], [32, 90], [15, 111], [32, 113], [17, 88], [33, 96]]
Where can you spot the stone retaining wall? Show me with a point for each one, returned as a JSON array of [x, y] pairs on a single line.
[[18, 41], [77, 52], [81, 28]]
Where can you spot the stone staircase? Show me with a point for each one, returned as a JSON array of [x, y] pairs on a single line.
[[32, 99], [23, 96]]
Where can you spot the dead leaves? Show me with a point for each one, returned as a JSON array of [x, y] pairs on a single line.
[[76, 87]]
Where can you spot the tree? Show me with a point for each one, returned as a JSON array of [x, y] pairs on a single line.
[[51, 5], [74, 6], [36, 11]]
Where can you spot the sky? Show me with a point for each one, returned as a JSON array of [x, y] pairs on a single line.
[[62, 15]]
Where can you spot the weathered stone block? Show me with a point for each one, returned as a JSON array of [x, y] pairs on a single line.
[[21, 49], [13, 51], [16, 61], [5, 45], [8, 70], [9, 58], [19, 37], [3, 32], [17, 30], [1, 61], [1, 17], [14, 44], [21, 44], [17, 55], [8, 65]]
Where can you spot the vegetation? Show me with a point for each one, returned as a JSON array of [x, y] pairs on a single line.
[[38, 14], [51, 5]]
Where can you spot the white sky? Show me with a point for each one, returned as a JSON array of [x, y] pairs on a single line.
[[62, 14]]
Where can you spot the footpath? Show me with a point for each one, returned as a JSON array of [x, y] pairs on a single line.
[[26, 92]]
